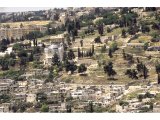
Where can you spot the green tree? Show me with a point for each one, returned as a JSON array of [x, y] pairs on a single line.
[[124, 54], [157, 67], [130, 58], [69, 108], [145, 28], [103, 49], [140, 67], [14, 108], [22, 53], [41, 97], [113, 46], [82, 68], [17, 47], [132, 30], [68, 40], [145, 72], [23, 61], [44, 108], [97, 40], [109, 30], [140, 97], [31, 58], [109, 69], [71, 54], [22, 107], [3, 47], [110, 53], [92, 49], [50, 30], [13, 55], [123, 33], [4, 98], [55, 59], [81, 42], [79, 53], [91, 110], [132, 73], [12, 62], [146, 45], [158, 79], [147, 95], [4, 64], [100, 29], [70, 66], [51, 74], [33, 36], [110, 18]]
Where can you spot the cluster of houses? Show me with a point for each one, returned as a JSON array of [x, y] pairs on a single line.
[[83, 94], [135, 106], [27, 90], [139, 104], [61, 94]]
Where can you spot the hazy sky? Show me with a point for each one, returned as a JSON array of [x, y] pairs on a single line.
[[21, 9]]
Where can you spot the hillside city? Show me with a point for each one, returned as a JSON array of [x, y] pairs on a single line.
[[80, 60]]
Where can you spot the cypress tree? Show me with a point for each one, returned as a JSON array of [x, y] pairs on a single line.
[[82, 54], [124, 55], [92, 49], [91, 107], [79, 53], [158, 79], [145, 72], [110, 53]]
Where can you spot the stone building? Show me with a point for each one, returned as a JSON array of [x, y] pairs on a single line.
[[18, 32], [51, 50]]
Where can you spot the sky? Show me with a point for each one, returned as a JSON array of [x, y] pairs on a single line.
[[21, 9]]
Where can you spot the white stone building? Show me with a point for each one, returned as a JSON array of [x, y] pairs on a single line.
[[51, 50], [156, 107], [31, 98], [8, 51]]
